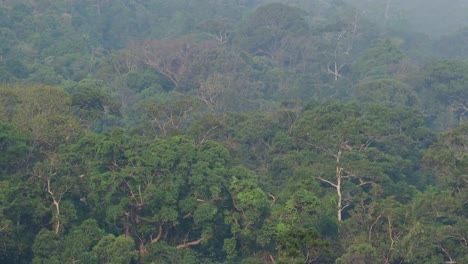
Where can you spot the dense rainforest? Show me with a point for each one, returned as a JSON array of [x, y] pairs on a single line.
[[233, 131]]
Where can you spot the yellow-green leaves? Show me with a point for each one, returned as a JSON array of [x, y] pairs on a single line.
[[43, 113]]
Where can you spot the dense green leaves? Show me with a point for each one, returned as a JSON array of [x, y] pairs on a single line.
[[385, 92], [13, 146], [184, 132], [443, 89], [448, 159]]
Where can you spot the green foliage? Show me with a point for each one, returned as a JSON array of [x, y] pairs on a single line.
[[45, 115], [94, 105], [166, 254], [17, 68], [331, 125], [13, 146], [8, 40], [141, 80], [229, 246], [248, 198], [361, 253], [271, 24], [385, 92], [47, 248], [450, 45], [181, 133], [442, 86], [379, 61], [448, 159], [299, 243], [115, 250], [77, 245]]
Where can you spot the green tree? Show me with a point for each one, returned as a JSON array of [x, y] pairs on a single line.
[[47, 248], [442, 87], [403, 136], [8, 40], [448, 159], [384, 92], [299, 245], [17, 68], [93, 103], [249, 206], [362, 254], [267, 30], [380, 226], [13, 146], [59, 180], [166, 190], [380, 61], [115, 250], [166, 254], [45, 115], [75, 246], [437, 231], [450, 45], [9, 100], [343, 138]]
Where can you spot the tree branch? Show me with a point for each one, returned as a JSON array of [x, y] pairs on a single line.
[[158, 237], [272, 197], [372, 226], [327, 181], [193, 243], [3, 228], [206, 135]]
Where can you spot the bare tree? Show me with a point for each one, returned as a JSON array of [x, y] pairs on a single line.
[[342, 174], [48, 173], [169, 57], [99, 4], [219, 29], [343, 41], [212, 89], [169, 117]]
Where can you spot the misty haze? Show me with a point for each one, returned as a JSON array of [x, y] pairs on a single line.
[[234, 131]]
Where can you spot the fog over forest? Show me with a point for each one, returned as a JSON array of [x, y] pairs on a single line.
[[234, 131], [433, 17]]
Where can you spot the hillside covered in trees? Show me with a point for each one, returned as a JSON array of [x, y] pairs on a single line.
[[233, 131]]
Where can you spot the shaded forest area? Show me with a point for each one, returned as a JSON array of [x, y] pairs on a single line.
[[222, 131]]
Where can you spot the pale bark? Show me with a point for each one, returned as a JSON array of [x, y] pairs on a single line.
[[371, 227], [169, 58], [211, 90], [158, 237], [337, 185], [193, 243], [139, 202], [343, 47], [208, 134], [451, 260], [3, 228], [339, 170], [464, 107], [387, 8], [56, 203], [340, 174]]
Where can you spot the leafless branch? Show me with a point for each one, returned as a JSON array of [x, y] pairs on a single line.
[[327, 181], [158, 237], [193, 243]]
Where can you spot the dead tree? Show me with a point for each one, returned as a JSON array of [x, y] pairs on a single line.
[[344, 41]]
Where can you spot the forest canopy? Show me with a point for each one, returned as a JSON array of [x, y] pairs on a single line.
[[223, 131]]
